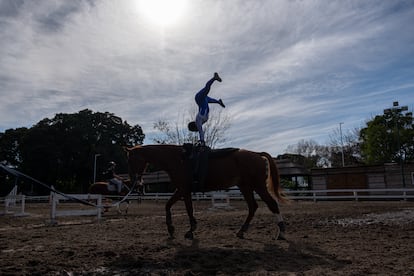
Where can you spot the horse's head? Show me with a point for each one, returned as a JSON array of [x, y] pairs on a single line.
[[137, 164]]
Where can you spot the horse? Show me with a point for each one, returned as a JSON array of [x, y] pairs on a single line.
[[250, 171], [103, 188]]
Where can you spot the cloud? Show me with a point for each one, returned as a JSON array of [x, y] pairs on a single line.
[[291, 70]]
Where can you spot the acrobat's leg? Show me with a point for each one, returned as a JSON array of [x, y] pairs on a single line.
[[207, 87]]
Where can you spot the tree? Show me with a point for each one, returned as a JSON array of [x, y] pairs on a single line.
[[61, 150], [316, 156], [215, 130], [176, 134], [388, 137], [10, 142], [349, 143]]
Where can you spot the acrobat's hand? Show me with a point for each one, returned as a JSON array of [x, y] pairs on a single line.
[[221, 103]]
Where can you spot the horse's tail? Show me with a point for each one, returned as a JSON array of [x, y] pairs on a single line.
[[273, 178]]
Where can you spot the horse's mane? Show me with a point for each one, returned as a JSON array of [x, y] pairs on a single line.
[[133, 147], [153, 148]]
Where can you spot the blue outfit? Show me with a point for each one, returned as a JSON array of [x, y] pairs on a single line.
[[202, 101]]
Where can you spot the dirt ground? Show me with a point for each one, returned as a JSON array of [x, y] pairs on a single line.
[[324, 238]]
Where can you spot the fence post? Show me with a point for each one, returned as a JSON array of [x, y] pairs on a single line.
[[53, 201], [99, 203], [23, 203], [355, 195]]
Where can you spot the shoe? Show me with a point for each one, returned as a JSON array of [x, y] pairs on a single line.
[[221, 103], [217, 77]]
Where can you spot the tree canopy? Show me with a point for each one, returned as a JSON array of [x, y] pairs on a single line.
[[388, 137], [61, 151]]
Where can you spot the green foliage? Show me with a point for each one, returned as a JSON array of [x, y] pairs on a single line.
[[287, 184], [312, 154], [388, 138], [61, 151], [10, 142]]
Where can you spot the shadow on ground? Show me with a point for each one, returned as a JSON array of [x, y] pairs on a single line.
[[295, 257]]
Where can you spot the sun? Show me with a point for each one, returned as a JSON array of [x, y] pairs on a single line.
[[162, 12]]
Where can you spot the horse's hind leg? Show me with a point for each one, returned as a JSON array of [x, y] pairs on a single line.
[[274, 207], [252, 205]]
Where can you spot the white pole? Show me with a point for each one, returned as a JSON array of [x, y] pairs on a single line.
[[342, 144], [94, 167]]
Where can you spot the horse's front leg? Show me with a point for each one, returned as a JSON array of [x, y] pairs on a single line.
[[190, 212], [168, 217]]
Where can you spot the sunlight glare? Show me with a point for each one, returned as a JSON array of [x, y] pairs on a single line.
[[162, 12]]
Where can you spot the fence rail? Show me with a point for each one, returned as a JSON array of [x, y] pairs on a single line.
[[315, 195], [352, 194]]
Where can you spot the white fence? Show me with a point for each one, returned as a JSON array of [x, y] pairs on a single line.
[[11, 201], [220, 200], [352, 194], [56, 199], [14, 204], [314, 195]]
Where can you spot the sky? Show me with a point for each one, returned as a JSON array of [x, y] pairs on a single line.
[[291, 70]]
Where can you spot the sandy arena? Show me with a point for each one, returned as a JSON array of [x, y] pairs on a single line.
[[324, 238]]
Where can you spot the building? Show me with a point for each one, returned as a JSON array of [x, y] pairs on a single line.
[[293, 175], [387, 176]]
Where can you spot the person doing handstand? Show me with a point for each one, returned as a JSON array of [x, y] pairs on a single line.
[[202, 99]]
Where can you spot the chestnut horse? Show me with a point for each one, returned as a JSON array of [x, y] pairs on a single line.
[[102, 188], [250, 171]]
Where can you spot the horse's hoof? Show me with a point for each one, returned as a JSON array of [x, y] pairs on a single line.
[[189, 235], [240, 235], [281, 236], [171, 230], [278, 232]]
